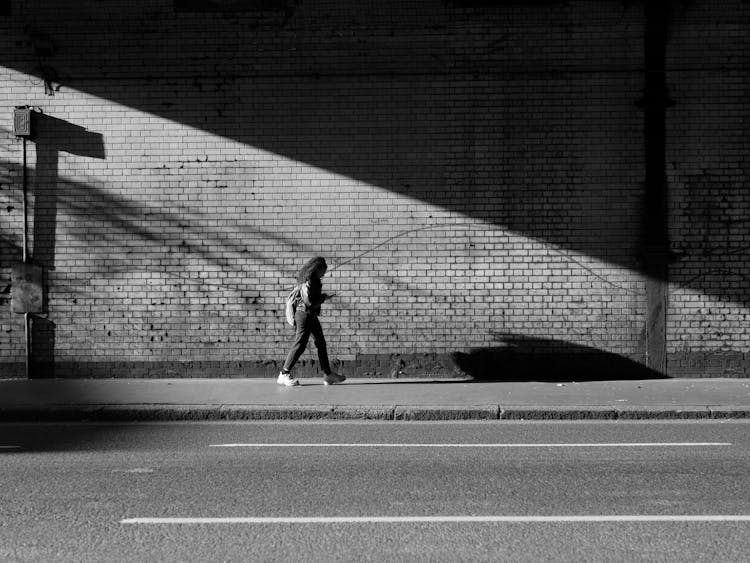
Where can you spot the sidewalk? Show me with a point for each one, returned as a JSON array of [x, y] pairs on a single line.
[[379, 399]]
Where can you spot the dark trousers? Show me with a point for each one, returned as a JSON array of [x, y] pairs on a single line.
[[307, 324]]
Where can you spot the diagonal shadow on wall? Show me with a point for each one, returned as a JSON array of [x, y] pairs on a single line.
[[504, 133], [128, 227]]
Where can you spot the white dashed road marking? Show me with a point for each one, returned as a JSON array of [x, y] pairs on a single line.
[[445, 519], [508, 445]]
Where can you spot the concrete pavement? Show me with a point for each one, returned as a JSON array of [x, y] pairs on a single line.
[[379, 399]]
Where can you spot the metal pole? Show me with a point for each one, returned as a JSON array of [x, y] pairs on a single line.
[[27, 330], [25, 214], [26, 316]]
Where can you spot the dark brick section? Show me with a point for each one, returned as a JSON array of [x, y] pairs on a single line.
[[707, 156], [710, 364], [479, 365], [501, 188], [529, 368], [388, 366]]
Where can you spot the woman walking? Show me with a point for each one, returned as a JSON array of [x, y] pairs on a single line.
[[307, 323]]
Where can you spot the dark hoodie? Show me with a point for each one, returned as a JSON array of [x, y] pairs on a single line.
[[312, 295]]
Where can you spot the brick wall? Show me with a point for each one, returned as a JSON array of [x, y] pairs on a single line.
[[709, 320], [474, 175]]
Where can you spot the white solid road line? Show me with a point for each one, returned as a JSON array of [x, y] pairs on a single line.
[[445, 519], [508, 445]]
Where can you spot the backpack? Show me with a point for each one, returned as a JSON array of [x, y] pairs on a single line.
[[291, 305]]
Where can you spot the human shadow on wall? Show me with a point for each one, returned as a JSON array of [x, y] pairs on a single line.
[[526, 358], [52, 136]]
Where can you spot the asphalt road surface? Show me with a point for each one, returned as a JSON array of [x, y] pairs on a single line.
[[356, 491]]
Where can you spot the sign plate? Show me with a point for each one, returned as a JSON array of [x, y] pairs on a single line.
[[26, 294]]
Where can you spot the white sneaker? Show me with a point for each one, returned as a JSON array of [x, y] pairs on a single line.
[[286, 380], [333, 378]]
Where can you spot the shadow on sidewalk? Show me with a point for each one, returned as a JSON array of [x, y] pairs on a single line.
[[523, 358]]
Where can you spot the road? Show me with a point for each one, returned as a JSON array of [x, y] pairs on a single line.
[[358, 491]]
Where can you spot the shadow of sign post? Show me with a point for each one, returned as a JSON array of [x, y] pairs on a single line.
[[51, 136]]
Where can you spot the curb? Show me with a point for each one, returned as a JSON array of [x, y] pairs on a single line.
[[151, 412], [609, 413]]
